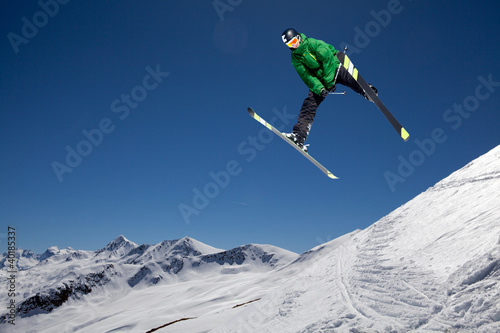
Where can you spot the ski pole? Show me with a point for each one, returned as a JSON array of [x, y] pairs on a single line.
[[335, 79]]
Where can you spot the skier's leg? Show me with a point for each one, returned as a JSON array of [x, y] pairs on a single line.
[[307, 114], [347, 80]]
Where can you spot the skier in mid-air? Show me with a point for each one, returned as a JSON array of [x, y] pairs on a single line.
[[317, 65]]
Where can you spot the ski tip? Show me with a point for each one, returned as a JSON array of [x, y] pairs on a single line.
[[329, 174], [404, 134], [251, 111]]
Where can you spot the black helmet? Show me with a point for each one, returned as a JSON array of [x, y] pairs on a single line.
[[289, 34]]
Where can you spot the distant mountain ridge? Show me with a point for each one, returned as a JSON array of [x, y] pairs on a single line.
[[70, 274]]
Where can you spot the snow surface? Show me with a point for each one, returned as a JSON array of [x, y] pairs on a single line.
[[432, 265]]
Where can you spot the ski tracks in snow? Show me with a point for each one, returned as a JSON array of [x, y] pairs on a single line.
[[385, 293]]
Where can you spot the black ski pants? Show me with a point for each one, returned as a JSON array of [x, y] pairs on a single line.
[[312, 101]]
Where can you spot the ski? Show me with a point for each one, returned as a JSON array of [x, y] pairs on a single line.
[[278, 133], [346, 62]]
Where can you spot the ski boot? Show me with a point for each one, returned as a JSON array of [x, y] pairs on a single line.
[[374, 89], [297, 140]]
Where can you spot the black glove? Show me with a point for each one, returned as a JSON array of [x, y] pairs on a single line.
[[325, 92]]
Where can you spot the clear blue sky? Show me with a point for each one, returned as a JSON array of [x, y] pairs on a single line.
[[161, 88]]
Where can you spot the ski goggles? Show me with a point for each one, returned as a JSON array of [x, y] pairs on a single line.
[[292, 42]]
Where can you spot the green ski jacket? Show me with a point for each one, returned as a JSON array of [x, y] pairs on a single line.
[[316, 63]]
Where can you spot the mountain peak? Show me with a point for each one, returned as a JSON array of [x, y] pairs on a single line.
[[188, 245], [51, 251], [120, 240], [118, 247]]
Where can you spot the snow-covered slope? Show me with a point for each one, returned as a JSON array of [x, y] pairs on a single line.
[[432, 265]]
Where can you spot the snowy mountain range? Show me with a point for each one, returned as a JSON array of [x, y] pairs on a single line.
[[432, 265]]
